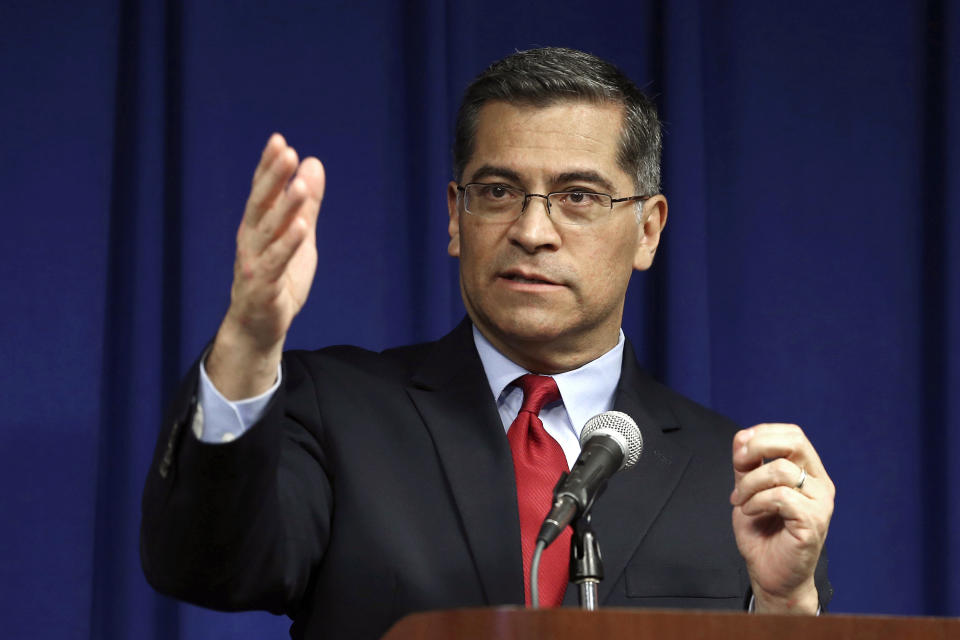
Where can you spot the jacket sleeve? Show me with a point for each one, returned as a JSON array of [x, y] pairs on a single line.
[[239, 525]]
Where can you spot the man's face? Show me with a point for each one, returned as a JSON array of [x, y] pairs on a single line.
[[550, 296]]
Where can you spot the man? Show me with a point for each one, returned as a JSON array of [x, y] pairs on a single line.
[[347, 488]]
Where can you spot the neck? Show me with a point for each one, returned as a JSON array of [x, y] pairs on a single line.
[[551, 356]]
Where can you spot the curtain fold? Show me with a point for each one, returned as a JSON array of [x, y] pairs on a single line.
[[142, 310], [684, 331], [945, 562]]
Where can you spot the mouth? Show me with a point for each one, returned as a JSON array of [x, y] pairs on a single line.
[[521, 277], [514, 278]]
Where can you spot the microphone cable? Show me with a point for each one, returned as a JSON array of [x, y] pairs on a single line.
[[534, 575]]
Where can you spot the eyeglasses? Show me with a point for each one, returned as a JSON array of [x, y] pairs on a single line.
[[500, 203]]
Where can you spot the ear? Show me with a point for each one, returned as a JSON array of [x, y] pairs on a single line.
[[652, 221], [453, 228]]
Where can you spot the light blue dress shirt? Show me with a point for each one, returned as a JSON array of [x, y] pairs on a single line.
[[584, 392]]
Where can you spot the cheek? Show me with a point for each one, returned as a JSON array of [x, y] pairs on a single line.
[[477, 247], [608, 266], [472, 258]]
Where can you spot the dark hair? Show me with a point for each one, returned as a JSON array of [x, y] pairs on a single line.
[[542, 77]]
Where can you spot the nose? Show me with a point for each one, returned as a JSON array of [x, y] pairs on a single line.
[[526, 201], [534, 230]]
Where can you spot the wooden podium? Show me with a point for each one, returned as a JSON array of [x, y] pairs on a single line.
[[513, 623]]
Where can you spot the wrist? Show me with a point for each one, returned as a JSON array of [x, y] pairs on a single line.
[[803, 600], [240, 367]]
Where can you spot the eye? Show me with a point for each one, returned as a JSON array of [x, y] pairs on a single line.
[[497, 192], [580, 198]]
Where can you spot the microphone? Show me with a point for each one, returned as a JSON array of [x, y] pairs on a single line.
[[609, 442]]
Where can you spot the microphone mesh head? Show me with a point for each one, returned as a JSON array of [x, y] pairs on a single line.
[[621, 428]]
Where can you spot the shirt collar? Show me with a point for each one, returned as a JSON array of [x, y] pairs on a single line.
[[586, 391]]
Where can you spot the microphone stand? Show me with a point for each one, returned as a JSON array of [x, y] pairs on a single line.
[[586, 566]]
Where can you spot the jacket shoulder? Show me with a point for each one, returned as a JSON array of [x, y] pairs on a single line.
[[352, 360]]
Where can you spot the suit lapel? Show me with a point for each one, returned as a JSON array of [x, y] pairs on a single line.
[[635, 497], [452, 394]]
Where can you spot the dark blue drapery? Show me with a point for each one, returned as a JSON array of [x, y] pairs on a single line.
[[810, 272]]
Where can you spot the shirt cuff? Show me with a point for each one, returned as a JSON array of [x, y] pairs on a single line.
[[218, 420]]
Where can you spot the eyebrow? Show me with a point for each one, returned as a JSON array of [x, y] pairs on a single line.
[[584, 176], [491, 171]]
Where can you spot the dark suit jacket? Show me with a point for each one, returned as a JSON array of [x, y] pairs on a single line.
[[381, 484]]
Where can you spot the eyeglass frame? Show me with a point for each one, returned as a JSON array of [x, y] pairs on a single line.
[[526, 199]]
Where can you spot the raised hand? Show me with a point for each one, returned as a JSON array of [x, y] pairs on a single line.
[[781, 513], [275, 263]]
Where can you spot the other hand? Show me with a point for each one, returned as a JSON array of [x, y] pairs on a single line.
[[275, 263], [782, 503]]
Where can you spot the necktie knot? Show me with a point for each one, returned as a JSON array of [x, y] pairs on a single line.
[[538, 391]]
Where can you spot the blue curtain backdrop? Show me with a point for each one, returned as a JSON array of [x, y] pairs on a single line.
[[810, 273]]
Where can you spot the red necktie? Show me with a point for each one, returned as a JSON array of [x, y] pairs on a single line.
[[538, 461]]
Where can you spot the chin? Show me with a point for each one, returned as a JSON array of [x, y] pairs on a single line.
[[527, 327]]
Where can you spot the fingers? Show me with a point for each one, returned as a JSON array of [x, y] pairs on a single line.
[[281, 214], [278, 254], [274, 222], [276, 200], [315, 180], [764, 442], [275, 144], [778, 473], [276, 260], [805, 518], [277, 164], [769, 462], [781, 500]]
